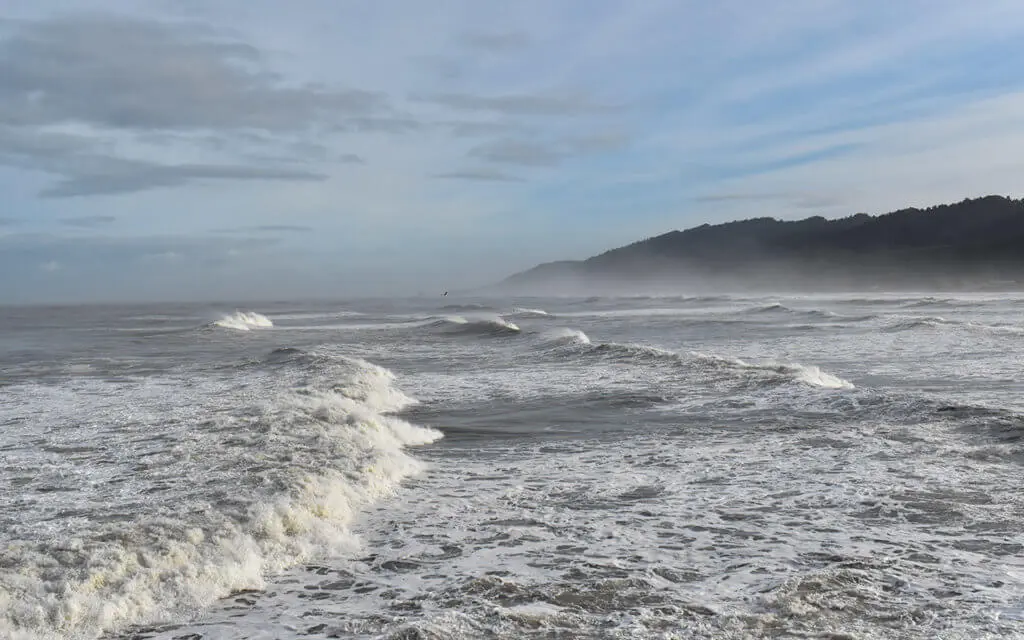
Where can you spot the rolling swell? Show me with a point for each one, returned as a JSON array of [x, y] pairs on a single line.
[[564, 336], [525, 312], [211, 498], [804, 313], [574, 343], [477, 326], [938, 322]]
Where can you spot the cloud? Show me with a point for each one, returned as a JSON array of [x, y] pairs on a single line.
[[111, 176], [472, 129], [88, 222], [482, 175], [162, 256], [121, 73], [50, 267], [369, 124], [268, 228], [741, 197], [646, 116], [97, 100], [960, 152], [521, 152], [795, 200], [533, 153], [539, 104]]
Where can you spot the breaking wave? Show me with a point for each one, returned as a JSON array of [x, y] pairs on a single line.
[[244, 321], [811, 375], [932, 302], [808, 313], [523, 312], [565, 336], [487, 325], [212, 504], [713, 366], [771, 308], [937, 322]]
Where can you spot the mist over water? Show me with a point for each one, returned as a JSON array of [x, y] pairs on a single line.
[[706, 466]]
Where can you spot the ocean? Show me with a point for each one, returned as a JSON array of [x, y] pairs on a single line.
[[833, 466]]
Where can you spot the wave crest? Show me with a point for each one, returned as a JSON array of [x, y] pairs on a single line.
[[291, 473], [565, 335], [722, 367], [526, 312], [811, 375], [486, 325], [244, 321]]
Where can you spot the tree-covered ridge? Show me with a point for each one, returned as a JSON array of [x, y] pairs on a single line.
[[981, 238]]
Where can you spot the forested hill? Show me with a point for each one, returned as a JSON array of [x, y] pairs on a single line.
[[976, 242]]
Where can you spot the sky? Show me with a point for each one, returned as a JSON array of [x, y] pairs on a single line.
[[256, 149]]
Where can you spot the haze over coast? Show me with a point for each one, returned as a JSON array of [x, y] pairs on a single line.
[[975, 243]]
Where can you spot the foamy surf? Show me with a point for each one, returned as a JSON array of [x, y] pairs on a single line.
[[565, 335], [479, 325], [526, 312], [811, 375], [625, 489], [244, 321], [231, 495]]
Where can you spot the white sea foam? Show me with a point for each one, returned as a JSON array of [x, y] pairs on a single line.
[[716, 534], [242, 493], [244, 321], [477, 323], [565, 335], [617, 489], [811, 375], [527, 312]]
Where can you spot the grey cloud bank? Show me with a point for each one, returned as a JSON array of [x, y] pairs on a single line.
[[88, 222], [553, 104], [111, 175], [120, 82], [121, 73], [484, 175]]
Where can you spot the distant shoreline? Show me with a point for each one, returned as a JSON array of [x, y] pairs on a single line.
[[970, 245]]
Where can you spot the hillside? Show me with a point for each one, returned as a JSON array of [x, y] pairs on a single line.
[[976, 243]]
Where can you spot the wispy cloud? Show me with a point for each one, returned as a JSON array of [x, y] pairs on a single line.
[[123, 73], [110, 176], [114, 80], [537, 104], [520, 152], [88, 222], [482, 175], [268, 228], [545, 153]]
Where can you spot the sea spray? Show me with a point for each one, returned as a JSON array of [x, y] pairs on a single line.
[[244, 321], [239, 488]]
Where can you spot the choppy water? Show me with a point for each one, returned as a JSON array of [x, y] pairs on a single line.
[[715, 467]]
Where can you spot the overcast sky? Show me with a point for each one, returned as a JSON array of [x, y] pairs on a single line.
[[262, 149]]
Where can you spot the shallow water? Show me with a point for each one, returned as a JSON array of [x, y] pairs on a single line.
[[716, 467]]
